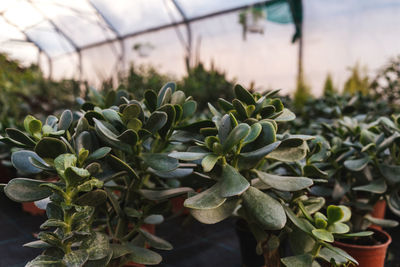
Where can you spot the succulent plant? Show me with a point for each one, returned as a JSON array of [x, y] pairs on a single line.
[[124, 148], [361, 163], [236, 154]]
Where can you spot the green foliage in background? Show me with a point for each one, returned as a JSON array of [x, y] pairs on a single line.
[[329, 88], [25, 90], [357, 82], [206, 85]]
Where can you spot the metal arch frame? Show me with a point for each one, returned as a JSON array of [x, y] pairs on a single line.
[[175, 24], [30, 40], [66, 36], [189, 33], [120, 38], [121, 58]]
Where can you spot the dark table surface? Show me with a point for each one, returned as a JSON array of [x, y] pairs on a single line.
[[195, 244]]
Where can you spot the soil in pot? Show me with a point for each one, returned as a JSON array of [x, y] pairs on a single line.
[[368, 251], [248, 245]]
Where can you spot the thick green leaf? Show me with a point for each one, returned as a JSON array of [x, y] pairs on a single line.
[[65, 120], [284, 183], [340, 252], [20, 137], [45, 261], [377, 186], [196, 126], [286, 115], [157, 195], [164, 95], [160, 162], [329, 255], [209, 162], [26, 190], [381, 222], [155, 241], [323, 234], [175, 174], [390, 172], [235, 136], [393, 201], [267, 211], [339, 228], [154, 219], [178, 98], [92, 198], [208, 199], [122, 166], [250, 159], [156, 121], [33, 126], [244, 95], [143, 255], [76, 258], [37, 244], [129, 137], [356, 164], [97, 247], [99, 153], [232, 183], [189, 108], [240, 109], [334, 213], [107, 135], [255, 131], [211, 216], [314, 172], [304, 260], [358, 234], [225, 105], [288, 153], [301, 223], [170, 111], [50, 147], [267, 135], [188, 156], [21, 161], [150, 100], [224, 128]]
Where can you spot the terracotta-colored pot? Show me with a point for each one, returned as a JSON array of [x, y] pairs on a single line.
[[31, 208], [369, 256], [177, 205], [379, 209], [151, 228], [379, 212]]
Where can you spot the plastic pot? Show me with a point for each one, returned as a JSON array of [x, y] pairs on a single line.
[[248, 245], [379, 212], [369, 256], [379, 209]]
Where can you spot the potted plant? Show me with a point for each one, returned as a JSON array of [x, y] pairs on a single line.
[[122, 143], [234, 154], [362, 166]]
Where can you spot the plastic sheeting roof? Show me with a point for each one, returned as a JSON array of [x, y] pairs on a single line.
[[94, 39]]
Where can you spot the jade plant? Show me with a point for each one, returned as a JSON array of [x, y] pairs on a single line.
[[70, 185], [362, 165], [109, 164], [235, 154]]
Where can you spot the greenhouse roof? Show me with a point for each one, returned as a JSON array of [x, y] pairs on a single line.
[[94, 39]]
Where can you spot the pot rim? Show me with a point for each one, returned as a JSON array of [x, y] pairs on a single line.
[[367, 247]]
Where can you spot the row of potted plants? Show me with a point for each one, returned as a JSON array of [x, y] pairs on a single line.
[[110, 168]]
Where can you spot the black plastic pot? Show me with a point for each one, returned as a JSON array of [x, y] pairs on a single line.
[[248, 246]]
